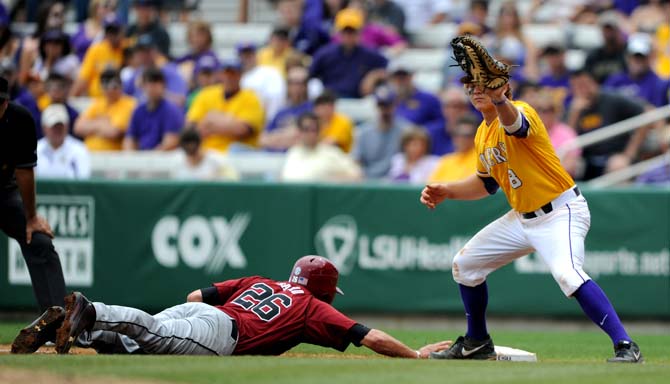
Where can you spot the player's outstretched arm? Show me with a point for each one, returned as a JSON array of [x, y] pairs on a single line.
[[471, 188], [387, 345]]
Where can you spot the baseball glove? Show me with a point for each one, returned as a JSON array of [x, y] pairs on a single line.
[[478, 64]]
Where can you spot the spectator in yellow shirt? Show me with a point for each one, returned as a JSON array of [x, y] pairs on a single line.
[[103, 55], [337, 129], [277, 51], [226, 114], [105, 122], [662, 43], [460, 163]]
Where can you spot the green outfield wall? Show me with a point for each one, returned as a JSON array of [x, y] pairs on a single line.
[[148, 244]]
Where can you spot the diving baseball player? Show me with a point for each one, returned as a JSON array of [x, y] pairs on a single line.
[[247, 316], [549, 216]]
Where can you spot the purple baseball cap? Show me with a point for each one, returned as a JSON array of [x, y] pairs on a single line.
[[206, 63], [111, 21], [231, 64], [245, 46]]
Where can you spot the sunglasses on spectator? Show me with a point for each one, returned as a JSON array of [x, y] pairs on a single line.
[[309, 128], [111, 84]]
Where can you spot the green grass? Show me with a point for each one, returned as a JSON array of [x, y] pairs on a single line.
[[564, 357]]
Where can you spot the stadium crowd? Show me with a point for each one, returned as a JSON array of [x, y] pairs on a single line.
[[282, 96]]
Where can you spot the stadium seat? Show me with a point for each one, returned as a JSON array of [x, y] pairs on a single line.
[[575, 58], [430, 81], [420, 60], [80, 103], [543, 34], [359, 110], [178, 39], [158, 164], [434, 36], [226, 53], [228, 35], [586, 36]]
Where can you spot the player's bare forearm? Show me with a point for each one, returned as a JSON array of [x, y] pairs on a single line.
[[507, 112], [471, 188], [25, 179], [387, 345]]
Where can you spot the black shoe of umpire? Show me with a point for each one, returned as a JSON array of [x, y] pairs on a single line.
[[79, 317], [40, 331], [468, 348], [626, 352]]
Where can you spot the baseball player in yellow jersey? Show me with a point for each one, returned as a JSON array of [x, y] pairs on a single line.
[[549, 216]]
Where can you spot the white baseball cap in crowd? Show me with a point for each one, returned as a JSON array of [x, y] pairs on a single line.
[[54, 114], [639, 44]]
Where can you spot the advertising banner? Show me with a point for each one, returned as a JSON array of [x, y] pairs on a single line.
[[148, 244]]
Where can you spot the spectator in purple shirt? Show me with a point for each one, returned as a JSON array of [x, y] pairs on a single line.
[[343, 67], [414, 105], [281, 133], [455, 104], [557, 75], [304, 24], [148, 56], [639, 80], [91, 30], [200, 46], [156, 123]]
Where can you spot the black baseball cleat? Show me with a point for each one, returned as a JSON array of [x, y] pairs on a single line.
[[468, 348], [79, 317], [39, 332], [626, 352]]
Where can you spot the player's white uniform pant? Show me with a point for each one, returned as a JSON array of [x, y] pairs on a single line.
[[557, 237], [185, 329]]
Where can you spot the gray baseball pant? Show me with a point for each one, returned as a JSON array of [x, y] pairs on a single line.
[[185, 329]]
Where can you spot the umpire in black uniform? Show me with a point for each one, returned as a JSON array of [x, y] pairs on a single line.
[[18, 218]]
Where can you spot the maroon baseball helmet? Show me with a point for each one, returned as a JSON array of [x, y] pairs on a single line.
[[318, 275]]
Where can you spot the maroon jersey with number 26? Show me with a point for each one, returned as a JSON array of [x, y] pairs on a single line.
[[273, 316]]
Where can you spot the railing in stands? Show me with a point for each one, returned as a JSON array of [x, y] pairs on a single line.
[[616, 129], [623, 175]]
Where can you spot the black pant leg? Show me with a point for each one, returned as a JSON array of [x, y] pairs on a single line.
[[41, 258]]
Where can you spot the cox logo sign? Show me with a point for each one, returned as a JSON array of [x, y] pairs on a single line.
[[200, 242]]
